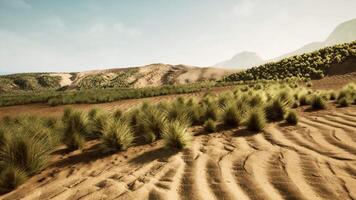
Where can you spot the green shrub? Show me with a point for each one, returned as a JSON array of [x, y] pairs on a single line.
[[75, 129], [333, 95], [232, 116], [211, 112], [176, 136], [292, 118], [10, 178], [344, 102], [210, 126], [275, 110], [256, 120], [317, 102], [304, 100], [117, 114], [118, 136], [27, 151], [153, 121]]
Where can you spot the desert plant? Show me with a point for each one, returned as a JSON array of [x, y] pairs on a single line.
[[75, 130], [117, 114], [256, 120], [292, 118], [10, 178], [275, 110], [118, 136], [27, 151], [176, 136], [211, 111], [210, 126], [153, 121], [317, 102], [232, 116], [344, 102]]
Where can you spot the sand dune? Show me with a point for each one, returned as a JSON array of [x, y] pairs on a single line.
[[314, 160]]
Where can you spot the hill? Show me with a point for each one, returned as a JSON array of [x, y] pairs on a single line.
[[242, 60], [135, 77], [343, 33], [313, 65]]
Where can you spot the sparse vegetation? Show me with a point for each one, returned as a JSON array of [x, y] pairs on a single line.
[[176, 136], [210, 125], [292, 118], [317, 102], [312, 65], [246, 105], [117, 136], [256, 120]]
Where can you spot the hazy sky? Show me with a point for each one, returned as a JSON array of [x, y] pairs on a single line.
[[74, 35]]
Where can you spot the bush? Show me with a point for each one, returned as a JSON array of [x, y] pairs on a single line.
[[75, 129], [343, 102], [317, 102], [118, 136], [276, 110], [292, 118], [256, 120], [232, 116], [152, 121], [210, 126], [176, 136], [27, 151], [211, 112], [304, 100], [11, 178]]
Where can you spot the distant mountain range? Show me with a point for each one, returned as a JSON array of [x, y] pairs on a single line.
[[345, 32], [242, 59]]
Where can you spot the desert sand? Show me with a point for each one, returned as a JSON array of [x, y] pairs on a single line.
[[314, 160]]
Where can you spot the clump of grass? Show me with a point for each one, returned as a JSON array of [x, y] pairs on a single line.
[[304, 100], [232, 116], [256, 120], [210, 125], [176, 136], [118, 136], [292, 118], [97, 124], [211, 111], [117, 114], [10, 178], [276, 110], [75, 129], [333, 95], [317, 102], [27, 150], [344, 102]]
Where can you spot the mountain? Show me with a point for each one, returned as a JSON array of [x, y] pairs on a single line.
[[241, 60], [343, 33], [134, 77]]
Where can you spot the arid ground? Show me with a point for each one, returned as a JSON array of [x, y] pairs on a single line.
[[314, 160]]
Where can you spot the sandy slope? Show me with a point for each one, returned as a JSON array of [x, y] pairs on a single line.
[[314, 160]]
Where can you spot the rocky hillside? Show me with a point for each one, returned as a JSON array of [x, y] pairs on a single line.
[[135, 77]]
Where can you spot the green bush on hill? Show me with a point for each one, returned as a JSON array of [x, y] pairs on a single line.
[[309, 65]]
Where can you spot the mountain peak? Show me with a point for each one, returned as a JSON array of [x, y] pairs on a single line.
[[242, 60]]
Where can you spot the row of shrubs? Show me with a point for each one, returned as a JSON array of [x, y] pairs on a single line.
[[30, 81], [26, 143], [54, 98], [309, 65]]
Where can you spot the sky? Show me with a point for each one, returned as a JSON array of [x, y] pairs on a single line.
[[78, 35]]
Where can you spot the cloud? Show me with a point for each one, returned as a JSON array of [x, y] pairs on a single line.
[[244, 8]]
